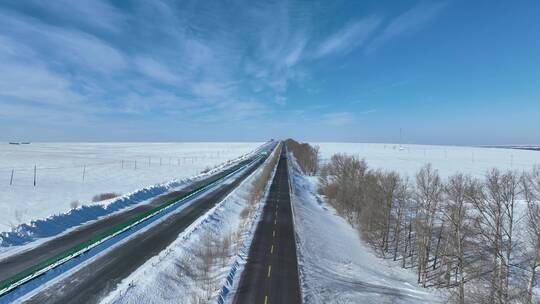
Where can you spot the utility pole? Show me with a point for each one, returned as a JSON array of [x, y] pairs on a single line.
[[11, 179], [35, 172]]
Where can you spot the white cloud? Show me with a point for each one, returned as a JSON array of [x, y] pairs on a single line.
[[212, 90], [352, 35], [95, 13], [63, 46], [295, 54], [411, 20], [156, 70], [35, 84], [83, 49]]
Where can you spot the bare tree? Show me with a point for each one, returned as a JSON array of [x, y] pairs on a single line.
[[456, 213], [495, 222], [388, 183], [531, 191], [403, 200], [429, 194], [343, 182]]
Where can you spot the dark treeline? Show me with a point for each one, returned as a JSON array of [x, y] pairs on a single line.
[[480, 238], [306, 155]]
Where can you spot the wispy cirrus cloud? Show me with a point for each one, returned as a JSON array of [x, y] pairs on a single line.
[[349, 37], [156, 70], [409, 21], [187, 61]]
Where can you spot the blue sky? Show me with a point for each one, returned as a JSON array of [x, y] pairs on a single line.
[[446, 72]]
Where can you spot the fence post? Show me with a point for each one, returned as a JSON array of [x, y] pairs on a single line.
[[35, 172], [11, 179], [83, 172]]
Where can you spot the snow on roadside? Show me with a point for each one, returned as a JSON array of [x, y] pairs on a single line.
[[71, 174], [336, 266], [41, 230], [178, 271]]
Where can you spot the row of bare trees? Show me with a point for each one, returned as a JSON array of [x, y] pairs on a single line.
[[306, 155], [480, 238]]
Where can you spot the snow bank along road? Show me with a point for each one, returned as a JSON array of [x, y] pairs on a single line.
[[99, 275], [271, 272]]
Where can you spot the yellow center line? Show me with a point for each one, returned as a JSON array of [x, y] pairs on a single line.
[[269, 270], [272, 249], [265, 299], [274, 233], [275, 221]]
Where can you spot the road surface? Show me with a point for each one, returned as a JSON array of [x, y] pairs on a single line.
[[271, 272]]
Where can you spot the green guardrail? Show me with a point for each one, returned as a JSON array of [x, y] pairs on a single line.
[[39, 269]]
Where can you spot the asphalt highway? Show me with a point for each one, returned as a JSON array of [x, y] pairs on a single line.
[[271, 272]]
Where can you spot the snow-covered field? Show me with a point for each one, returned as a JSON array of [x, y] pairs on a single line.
[[336, 265], [447, 159], [76, 172]]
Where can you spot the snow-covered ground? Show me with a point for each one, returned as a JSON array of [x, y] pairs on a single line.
[[447, 159], [336, 266], [106, 167]]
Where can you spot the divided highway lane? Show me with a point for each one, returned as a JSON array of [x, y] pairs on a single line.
[[14, 264], [271, 272]]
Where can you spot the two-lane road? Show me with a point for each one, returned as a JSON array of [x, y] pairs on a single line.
[[271, 272]]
